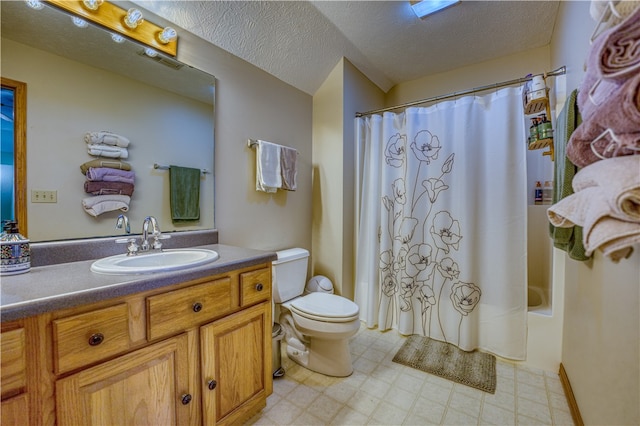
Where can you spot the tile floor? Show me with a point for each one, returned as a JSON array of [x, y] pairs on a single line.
[[381, 392]]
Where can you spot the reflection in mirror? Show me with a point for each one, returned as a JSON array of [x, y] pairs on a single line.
[[13, 164], [81, 81]]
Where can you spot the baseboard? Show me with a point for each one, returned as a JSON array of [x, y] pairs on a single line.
[[571, 399]]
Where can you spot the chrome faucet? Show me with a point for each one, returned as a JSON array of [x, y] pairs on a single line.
[[132, 246], [155, 233]]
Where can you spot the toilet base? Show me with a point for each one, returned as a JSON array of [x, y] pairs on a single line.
[[328, 357]]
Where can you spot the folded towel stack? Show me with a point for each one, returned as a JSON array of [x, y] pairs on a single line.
[[606, 203], [609, 96], [109, 180], [106, 138], [114, 164], [276, 167], [99, 204]]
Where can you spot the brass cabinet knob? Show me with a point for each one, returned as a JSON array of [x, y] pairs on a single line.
[[96, 339]]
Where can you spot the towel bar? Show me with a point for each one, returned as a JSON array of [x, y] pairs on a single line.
[[252, 143], [161, 167]]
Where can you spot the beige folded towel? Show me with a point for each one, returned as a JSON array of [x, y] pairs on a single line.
[[101, 150], [606, 203], [619, 181], [99, 204], [114, 164], [107, 138]]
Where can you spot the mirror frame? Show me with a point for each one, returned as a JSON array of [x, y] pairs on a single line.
[[19, 150]]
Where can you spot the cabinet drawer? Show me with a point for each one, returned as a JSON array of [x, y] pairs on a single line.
[[13, 369], [255, 286], [178, 310], [82, 339]]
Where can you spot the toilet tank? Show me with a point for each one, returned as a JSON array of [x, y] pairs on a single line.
[[289, 274]]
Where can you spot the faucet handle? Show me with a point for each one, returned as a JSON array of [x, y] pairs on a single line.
[[132, 246], [157, 236]]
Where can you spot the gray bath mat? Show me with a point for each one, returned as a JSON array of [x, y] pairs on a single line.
[[475, 369]]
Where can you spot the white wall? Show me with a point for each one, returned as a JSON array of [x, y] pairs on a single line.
[[345, 92], [253, 104], [601, 337]]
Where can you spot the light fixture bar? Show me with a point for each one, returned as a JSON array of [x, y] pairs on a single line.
[[425, 8], [112, 17]]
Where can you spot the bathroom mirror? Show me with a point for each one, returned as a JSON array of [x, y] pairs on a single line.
[[79, 80]]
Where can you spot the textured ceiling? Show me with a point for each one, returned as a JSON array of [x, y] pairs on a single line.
[[300, 42]]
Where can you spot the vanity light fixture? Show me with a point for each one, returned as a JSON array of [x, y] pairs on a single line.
[[424, 8], [79, 22], [129, 24], [34, 4], [133, 18], [92, 4], [167, 35]]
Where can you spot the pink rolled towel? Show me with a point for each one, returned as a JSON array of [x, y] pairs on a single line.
[[620, 114], [110, 175], [619, 54]]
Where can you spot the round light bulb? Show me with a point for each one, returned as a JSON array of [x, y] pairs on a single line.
[[167, 35], [78, 22], [117, 38], [150, 52], [133, 18], [34, 4], [92, 4]]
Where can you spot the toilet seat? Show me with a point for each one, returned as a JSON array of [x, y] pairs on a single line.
[[324, 307]]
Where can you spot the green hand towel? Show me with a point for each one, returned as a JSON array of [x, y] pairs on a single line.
[[185, 194], [567, 239]]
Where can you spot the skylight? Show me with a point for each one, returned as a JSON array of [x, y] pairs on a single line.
[[423, 8]]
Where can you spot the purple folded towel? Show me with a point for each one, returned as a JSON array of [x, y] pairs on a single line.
[[108, 188], [110, 175], [612, 130]]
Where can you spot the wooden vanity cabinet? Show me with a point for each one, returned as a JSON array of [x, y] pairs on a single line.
[[13, 372], [193, 353]]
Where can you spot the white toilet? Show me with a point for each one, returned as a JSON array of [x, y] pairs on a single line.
[[317, 325]]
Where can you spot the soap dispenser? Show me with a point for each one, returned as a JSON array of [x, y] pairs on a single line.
[[15, 250]]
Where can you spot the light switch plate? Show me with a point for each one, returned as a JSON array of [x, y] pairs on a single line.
[[40, 196]]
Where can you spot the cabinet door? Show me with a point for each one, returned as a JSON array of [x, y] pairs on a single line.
[[14, 411], [236, 365], [155, 385]]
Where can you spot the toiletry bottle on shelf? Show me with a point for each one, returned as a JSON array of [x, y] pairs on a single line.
[[547, 193], [533, 131], [545, 131], [537, 193]]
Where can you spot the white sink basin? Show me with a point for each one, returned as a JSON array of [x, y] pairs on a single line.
[[148, 263]]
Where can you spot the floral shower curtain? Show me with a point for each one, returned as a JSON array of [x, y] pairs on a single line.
[[441, 245]]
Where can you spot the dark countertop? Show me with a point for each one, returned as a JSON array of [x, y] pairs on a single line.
[[64, 285]]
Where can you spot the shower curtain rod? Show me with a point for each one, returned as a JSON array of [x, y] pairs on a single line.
[[560, 71]]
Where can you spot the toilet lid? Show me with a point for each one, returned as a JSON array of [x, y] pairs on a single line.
[[325, 306]]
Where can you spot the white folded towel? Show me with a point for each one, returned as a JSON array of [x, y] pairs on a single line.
[[101, 150], [107, 138], [99, 204], [268, 170]]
